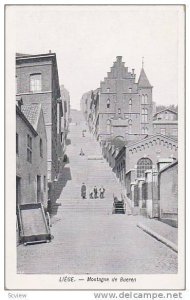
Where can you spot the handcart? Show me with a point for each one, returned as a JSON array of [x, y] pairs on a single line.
[[34, 224]]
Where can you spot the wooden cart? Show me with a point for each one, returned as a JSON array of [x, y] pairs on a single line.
[[119, 206], [33, 224]]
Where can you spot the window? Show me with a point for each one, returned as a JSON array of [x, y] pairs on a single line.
[[143, 99], [108, 103], [119, 110], [143, 165], [44, 183], [130, 105], [146, 99], [144, 130], [108, 90], [41, 148], [144, 115], [29, 148], [174, 132], [35, 82], [108, 126], [130, 90], [163, 131], [17, 150], [130, 126]]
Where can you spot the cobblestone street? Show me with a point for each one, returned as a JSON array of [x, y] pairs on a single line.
[[87, 237]]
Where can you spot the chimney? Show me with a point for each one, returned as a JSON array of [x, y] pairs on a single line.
[[119, 58]]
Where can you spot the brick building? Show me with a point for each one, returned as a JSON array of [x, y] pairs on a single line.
[[166, 123], [37, 81], [31, 155], [65, 97], [122, 106]]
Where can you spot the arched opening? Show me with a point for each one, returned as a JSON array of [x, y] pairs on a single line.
[[108, 103], [143, 165]]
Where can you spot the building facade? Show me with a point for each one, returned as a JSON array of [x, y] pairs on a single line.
[[122, 106], [31, 155], [65, 97], [37, 81], [165, 122]]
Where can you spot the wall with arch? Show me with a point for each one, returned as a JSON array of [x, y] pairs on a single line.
[[152, 148]]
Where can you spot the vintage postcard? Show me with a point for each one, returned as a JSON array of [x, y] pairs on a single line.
[[95, 143]]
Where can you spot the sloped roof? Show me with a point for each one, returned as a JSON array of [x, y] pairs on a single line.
[[143, 80], [167, 109], [151, 137], [32, 113]]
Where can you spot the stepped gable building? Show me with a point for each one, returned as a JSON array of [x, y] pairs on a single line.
[[31, 154], [166, 123], [37, 81], [124, 107]]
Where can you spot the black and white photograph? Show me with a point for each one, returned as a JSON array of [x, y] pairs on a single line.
[[95, 135]]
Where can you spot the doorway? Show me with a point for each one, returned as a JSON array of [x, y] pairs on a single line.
[[38, 188]]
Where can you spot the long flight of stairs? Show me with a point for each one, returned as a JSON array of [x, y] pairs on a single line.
[[91, 169]]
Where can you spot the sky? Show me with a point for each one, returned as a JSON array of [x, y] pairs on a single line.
[[87, 39]]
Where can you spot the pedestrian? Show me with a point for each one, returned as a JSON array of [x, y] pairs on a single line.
[[95, 192], [102, 190], [81, 152], [91, 195], [83, 191]]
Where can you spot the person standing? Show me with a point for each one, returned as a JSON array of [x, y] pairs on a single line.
[[83, 191], [102, 190], [95, 192]]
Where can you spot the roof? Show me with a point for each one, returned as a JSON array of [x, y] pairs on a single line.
[[23, 117], [167, 109], [119, 143], [143, 80], [29, 56], [169, 166], [21, 54], [152, 137], [32, 113]]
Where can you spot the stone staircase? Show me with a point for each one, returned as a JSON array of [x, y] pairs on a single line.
[[91, 169]]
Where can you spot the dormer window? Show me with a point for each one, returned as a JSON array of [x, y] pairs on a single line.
[[35, 83], [108, 103]]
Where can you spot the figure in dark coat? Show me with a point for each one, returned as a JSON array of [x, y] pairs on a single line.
[[83, 191], [95, 192], [102, 190]]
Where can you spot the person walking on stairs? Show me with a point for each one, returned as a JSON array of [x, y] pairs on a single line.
[[83, 191], [95, 192]]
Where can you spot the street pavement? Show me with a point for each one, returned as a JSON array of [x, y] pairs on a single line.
[[87, 237]]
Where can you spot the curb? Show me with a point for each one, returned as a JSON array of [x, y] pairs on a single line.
[[158, 237]]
